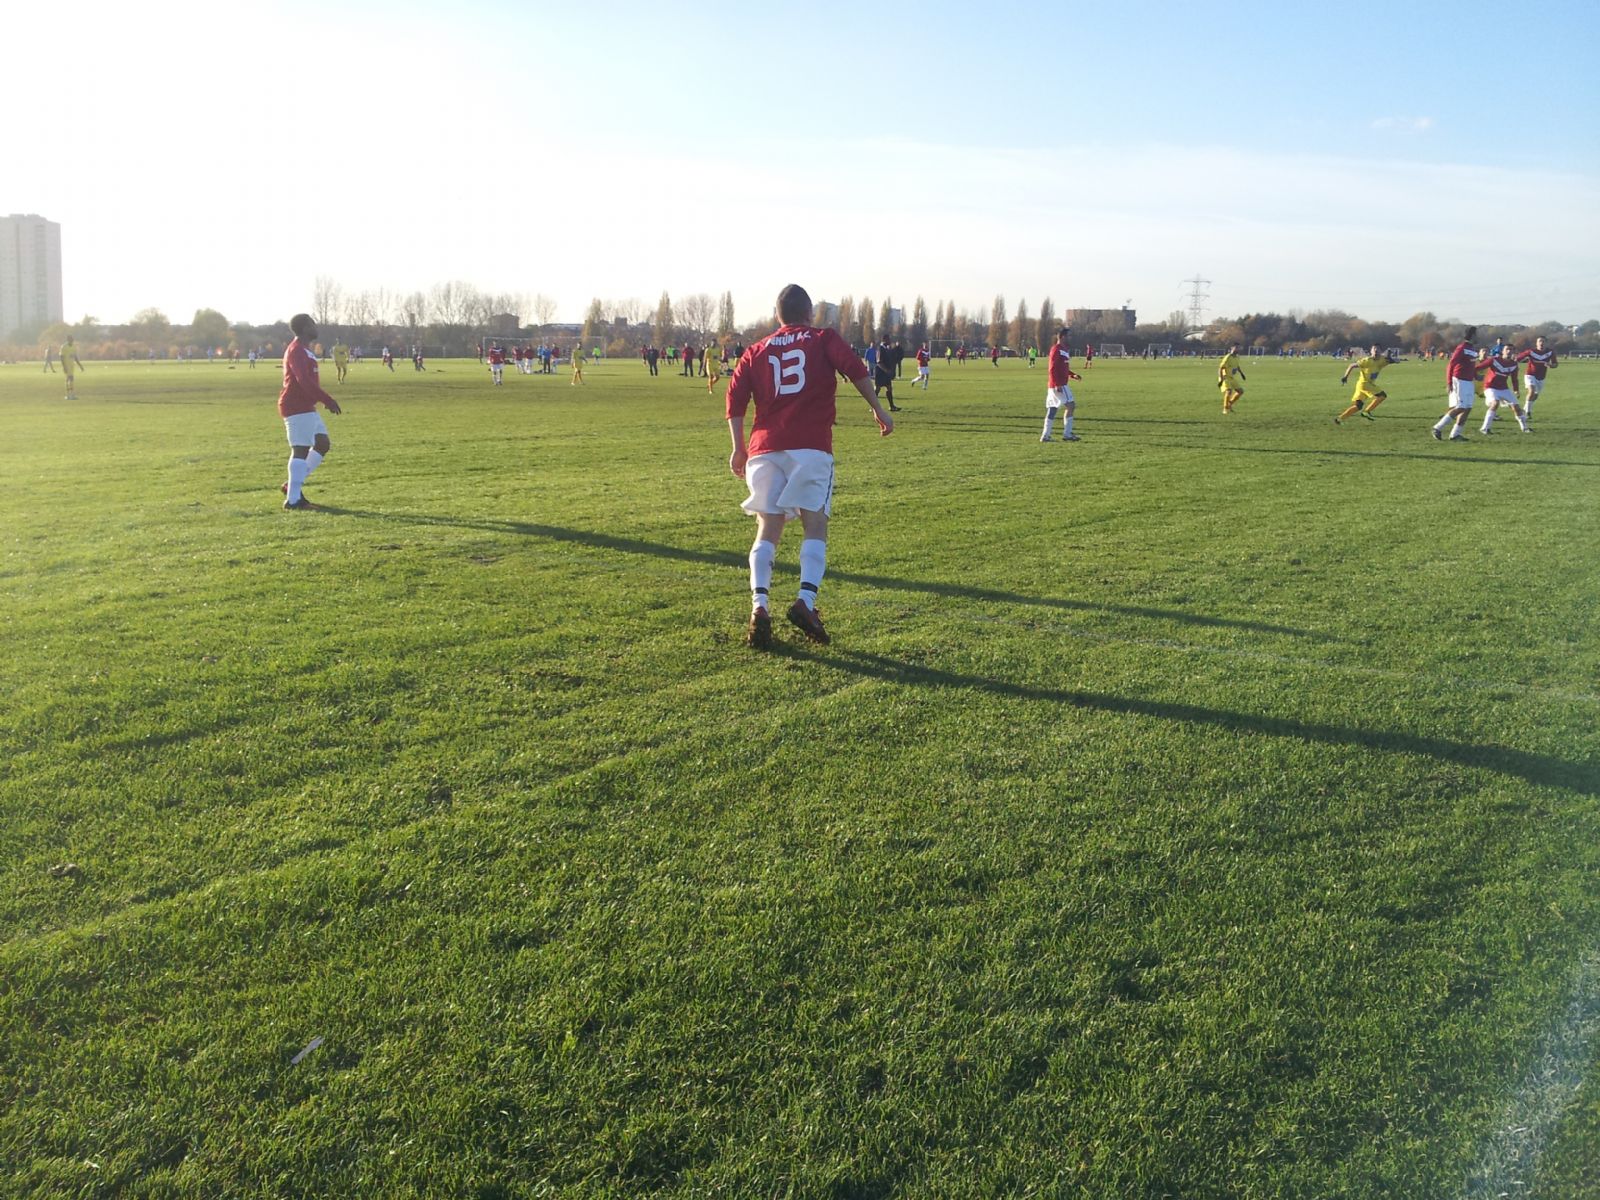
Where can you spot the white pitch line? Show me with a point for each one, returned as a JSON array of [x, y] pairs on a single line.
[[1509, 1159]]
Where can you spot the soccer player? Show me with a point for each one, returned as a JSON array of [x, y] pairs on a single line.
[[1058, 387], [949, 355], [1367, 396], [994, 355], [49, 361], [497, 363], [788, 462], [388, 359], [1088, 355], [713, 353], [70, 362], [1226, 370], [1459, 373], [577, 363], [883, 372], [922, 365], [297, 405], [1501, 388], [1536, 362], [341, 359], [1033, 357]]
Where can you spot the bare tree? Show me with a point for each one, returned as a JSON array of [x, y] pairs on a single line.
[[847, 319], [593, 321], [1021, 331], [664, 330], [886, 318], [358, 310], [543, 309], [869, 331], [997, 321], [725, 322], [325, 295], [696, 312], [630, 310], [1047, 324]]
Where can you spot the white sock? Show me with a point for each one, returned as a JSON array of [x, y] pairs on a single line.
[[297, 478], [1066, 425], [761, 557], [1488, 420], [813, 562], [312, 459], [1527, 409], [1443, 421], [1049, 419]]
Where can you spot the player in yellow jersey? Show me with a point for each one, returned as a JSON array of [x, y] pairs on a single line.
[[1367, 396], [1226, 370], [577, 364], [341, 359], [713, 361]]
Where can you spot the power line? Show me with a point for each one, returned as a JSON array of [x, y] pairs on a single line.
[[1197, 301]]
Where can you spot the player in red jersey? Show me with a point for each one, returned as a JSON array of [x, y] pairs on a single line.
[[788, 462], [1535, 363], [297, 405], [497, 363], [922, 365], [1500, 388], [1459, 374], [994, 355], [1058, 388]]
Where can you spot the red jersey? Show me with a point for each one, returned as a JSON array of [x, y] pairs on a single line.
[[497, 356], [922, 358], [1538, 361], [1463, 362], [1060, 366], [1500, 370], [301, 388], [791, 376]]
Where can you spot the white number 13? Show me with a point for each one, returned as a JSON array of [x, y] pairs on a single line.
[[788, 376]]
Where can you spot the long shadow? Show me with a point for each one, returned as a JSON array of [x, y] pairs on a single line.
[[1442, 455], [725, 558], [1540, 769]]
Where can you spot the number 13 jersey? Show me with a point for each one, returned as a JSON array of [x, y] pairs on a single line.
[[793, 378]]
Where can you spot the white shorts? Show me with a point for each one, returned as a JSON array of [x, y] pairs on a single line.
[[1535, 385], [1056, 397], [786, 481], [922, 372], [303, 428], [1461, 393], [1495, 397]]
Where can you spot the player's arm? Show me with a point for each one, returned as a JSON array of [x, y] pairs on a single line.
[[1071, 374], [305, 377], [739, 393], [885, 421]]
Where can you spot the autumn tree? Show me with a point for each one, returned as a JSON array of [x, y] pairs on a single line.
[[209, 328], [847, 319], [725, 320], [663, 326], [997, 321], [919, 322], [592, 321], [869, 332], [1047, 324], [1021, 332]]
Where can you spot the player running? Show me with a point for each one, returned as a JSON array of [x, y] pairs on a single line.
[[1058, 388], [1226, 370], [1367, 396], [1460, 372], [297, 405], [788, 462], [70, 363], [1536, 362], [1500, 388], [922, 365], [713, 357], [341, 360], [577, 364]]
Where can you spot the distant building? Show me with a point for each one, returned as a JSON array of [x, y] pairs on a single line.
[[1103, 320], [30, 272], [504, 325]]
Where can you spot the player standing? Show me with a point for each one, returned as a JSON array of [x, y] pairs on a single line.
[[70, 362], [1501, 388], [577, 363], [883, 371], [497, 363], [297, 405], [49, 360], [713, 353], [1088, 355], [1367, 396], [994, 355], [1459, 374], [1536, 362], [788, 462], [1058, 387], [922, 365], [1226, 370], [341, 359]]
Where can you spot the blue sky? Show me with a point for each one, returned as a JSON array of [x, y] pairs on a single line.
[[1384, 159]]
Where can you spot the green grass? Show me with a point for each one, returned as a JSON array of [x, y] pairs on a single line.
[[1208, 808]]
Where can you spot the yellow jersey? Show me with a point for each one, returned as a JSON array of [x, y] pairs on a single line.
[[1367, 370], [340, 352], [1227, 369]]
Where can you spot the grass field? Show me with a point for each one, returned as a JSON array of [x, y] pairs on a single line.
[[1210, 808]]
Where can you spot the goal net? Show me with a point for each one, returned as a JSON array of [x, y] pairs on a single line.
[[1161, 350], [1112, 350]]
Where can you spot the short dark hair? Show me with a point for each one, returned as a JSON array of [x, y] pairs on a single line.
[[794, 305], [1471, 333], [1063, 332], [302, 324]]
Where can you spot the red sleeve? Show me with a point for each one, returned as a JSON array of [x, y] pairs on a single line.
[[306, 379], [843, 358], [739, 389]]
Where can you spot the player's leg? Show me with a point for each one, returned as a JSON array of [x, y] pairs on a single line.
[[813, 564], [1067, 411], [1376, 399], [1050, 405]]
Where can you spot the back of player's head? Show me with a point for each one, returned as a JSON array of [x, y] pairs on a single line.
[[302, 325], [1063, 333], [794, 305], [1471, 335]]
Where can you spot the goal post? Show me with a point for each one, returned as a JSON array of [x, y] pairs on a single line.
[[1160, 350], [1111, 350]]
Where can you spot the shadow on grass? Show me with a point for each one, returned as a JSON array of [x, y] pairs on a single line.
[[725, 558], [1539, 769], [1442, 454]]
